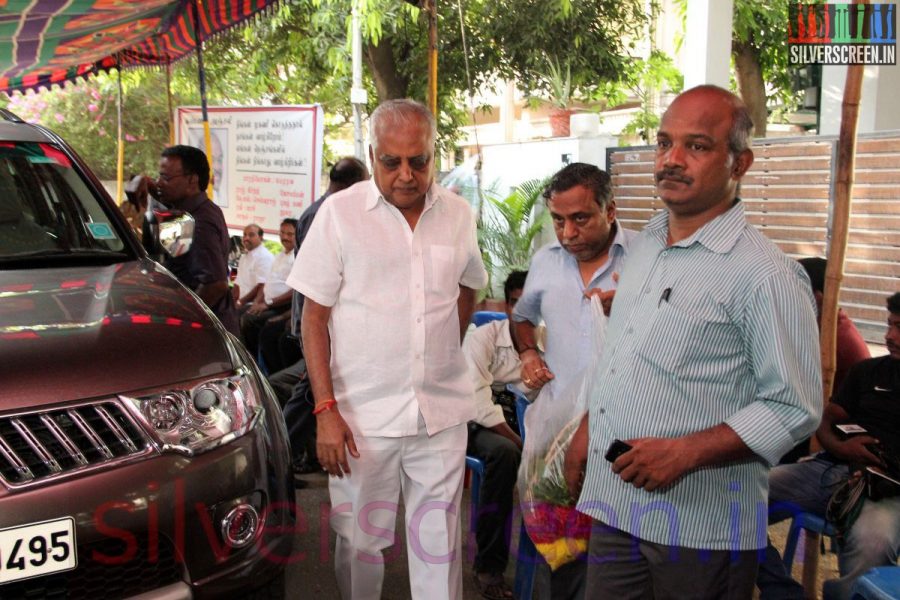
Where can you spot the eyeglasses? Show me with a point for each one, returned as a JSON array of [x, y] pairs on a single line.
[[168, 178]]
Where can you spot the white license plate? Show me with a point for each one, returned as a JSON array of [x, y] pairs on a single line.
[[37, 549]]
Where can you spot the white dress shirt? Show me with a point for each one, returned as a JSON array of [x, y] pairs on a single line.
[[276, 282], [253, 268], [394, 327]]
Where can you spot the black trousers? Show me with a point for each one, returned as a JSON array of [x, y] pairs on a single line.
[[251, 325], [627, 568], [278, 348], [301, 423], [501, 465]]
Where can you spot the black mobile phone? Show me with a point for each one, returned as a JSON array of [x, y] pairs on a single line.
[[616, 449]]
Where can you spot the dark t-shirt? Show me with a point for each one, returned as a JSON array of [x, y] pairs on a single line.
[[303, 225], [871, 396], [207, 260]]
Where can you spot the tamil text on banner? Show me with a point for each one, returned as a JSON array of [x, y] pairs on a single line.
[[265, 160]]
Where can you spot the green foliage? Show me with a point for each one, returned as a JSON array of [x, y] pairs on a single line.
[[508, 227], [592, 35], [85, 115], [273, 246], [763, 26], [641, 79]]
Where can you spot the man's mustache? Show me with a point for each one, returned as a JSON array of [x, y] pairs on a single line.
[[673, 175]]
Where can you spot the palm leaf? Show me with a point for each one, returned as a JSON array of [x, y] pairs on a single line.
[[509, 226]]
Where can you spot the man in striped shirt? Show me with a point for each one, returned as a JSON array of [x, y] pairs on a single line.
[[711, 374]]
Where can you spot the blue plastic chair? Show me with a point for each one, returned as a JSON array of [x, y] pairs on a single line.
[[528, 556], [476, 466], [481, 317], [880, 583], [809, 522]]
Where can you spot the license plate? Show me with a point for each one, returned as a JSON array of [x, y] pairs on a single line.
[[37, 549]]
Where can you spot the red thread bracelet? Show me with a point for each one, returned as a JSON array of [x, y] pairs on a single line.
[[324, 406]]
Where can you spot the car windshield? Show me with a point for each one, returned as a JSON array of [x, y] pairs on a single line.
[[47, 211]]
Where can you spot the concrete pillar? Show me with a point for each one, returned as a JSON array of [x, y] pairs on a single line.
[[877, 102], [508, 111], [707, 43]]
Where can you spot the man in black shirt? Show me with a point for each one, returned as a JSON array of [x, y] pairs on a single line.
[[870, 398], [183, 178]]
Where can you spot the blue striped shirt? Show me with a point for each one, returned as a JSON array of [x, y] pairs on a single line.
[[717, 328]]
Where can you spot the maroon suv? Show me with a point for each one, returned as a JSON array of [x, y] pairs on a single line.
[[140, 448]]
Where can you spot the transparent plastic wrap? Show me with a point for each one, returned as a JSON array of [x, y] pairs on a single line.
[[559, 532]]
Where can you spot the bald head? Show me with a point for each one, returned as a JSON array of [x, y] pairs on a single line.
[[740, 131], [346, 172]]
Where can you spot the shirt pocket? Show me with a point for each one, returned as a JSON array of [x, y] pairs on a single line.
[[683, 339], [445, 270]]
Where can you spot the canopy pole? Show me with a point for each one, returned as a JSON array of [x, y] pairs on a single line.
[[202, 76], [120, 160], [834, 272], [170, 101]]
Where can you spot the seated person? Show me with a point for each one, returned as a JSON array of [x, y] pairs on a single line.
[[493, 358], [274, 297], [850, 345], [870, 398], [253, 267], [278, 347]]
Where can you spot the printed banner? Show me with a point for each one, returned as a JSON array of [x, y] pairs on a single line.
[[266, 160]]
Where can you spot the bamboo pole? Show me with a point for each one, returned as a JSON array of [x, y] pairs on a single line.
[[834, 273]]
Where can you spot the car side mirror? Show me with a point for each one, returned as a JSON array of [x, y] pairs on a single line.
[[174, 230]]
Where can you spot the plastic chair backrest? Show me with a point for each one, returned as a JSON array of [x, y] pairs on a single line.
[[481, 317]]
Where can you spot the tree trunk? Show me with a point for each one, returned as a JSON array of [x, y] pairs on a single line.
[[751, 84], [389, 83]]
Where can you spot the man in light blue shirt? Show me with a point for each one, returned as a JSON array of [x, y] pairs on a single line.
[[589, 251], [710, 374]]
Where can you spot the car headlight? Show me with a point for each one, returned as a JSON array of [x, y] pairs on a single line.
[[209, 414]]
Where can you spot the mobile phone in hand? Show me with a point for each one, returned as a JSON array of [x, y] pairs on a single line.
[[616, 449], [846, 431]]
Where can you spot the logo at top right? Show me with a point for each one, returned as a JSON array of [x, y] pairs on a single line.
[[842, 34]]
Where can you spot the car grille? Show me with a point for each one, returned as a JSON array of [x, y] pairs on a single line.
[[41, 445], [110, 579]]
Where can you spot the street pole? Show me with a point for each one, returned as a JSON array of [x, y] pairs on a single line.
[[358, 96]]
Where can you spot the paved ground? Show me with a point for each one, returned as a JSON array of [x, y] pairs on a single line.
[[312, 577]]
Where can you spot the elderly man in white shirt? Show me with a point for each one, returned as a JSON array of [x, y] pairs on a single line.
[[274, 297], [253, 267], [389, 270]]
